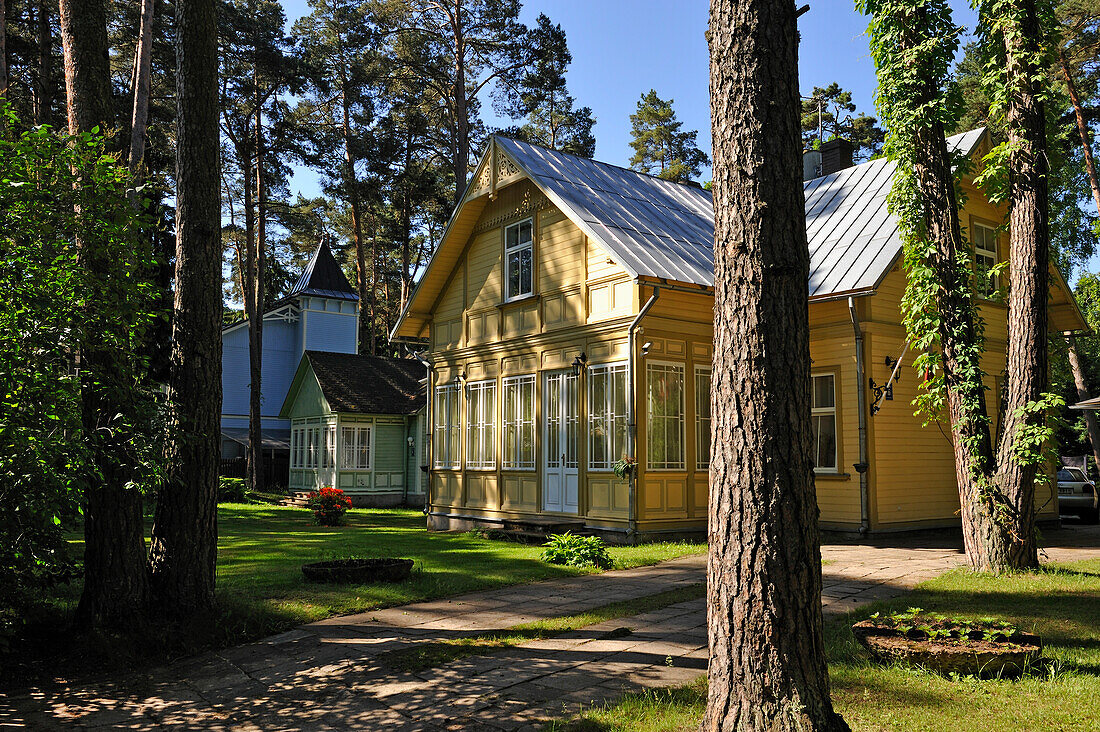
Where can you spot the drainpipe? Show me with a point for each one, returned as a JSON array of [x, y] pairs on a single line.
[[429, 444], [631, 421], [861, 402]]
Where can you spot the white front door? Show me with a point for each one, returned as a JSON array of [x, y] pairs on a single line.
[[560, 476]]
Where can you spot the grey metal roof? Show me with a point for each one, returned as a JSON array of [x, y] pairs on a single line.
[[655, 228]]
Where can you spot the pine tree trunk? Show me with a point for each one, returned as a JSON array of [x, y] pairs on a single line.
[[1082, 130], [116, 580], [185, 530], [1082, 394], [3, 49], [373, 285], [461, 150], [44, 86], [139, 121], [366, 327], [256, 323], [1029, 268], [767, 654]]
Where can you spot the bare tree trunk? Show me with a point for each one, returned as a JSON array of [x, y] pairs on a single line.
[[256, 322], [139, 120], [461, 151], [1083, 394], [374, 284], [1082, 129], [1029, 268], [116, 582], [185, 528], [767, 653], [366, 326], [44, 86]]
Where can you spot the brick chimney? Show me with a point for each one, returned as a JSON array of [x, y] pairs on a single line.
[[836, 154]]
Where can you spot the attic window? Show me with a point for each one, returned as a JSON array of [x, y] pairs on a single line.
[[518, 259]]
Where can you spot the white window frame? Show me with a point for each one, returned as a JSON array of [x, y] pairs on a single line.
[[653, 367], [606, 412], [447, 440], [516, 424], [702, 401], [985, 285], [295, 443], [822, 411], [481, 425], [357, 455], [518, 249]]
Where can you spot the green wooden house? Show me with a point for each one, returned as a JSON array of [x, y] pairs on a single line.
[[357, 423]]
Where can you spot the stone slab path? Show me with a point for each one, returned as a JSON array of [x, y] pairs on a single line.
[[328, 675]]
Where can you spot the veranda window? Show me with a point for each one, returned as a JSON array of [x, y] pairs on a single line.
[[481, 416], [824, 422], [702, 419], [518, 259], [606, 415], [519, 423], [357, 447], [448, 427], [665, 399]]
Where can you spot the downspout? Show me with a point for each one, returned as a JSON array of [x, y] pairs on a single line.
[[631, 421], [429, 442], [861, 405]]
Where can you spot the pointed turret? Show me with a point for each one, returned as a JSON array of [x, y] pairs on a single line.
[[323, 277]]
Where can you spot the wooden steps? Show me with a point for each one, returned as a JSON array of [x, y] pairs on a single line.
[[537, 530], [297, 499]]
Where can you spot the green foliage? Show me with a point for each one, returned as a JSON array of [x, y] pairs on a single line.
[[625, 467], [576, 551], [660, 146], [831, 112], [59, 301], [232, 490], [920, 624]]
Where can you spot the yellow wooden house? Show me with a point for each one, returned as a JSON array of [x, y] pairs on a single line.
[[569, 315]]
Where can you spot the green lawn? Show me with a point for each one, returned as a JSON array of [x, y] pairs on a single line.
[[1062, 604], [261, 591]]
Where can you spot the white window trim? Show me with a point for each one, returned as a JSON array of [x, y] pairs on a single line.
[[699, 370], [518, 421], [683, 419], [518, 248], [835, 470], [489, 425], [357, 428], [609, 405], [994, 283], [454, 461]]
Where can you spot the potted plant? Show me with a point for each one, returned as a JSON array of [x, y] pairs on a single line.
[[985, 647], [329, 506], [625, 467]]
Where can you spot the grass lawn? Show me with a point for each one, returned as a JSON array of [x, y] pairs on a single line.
[[1062, 604], [261, 591]]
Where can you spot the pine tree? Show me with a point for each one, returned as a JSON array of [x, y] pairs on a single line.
[[829, 112], [767, 653], [660, 146], [538, 93]]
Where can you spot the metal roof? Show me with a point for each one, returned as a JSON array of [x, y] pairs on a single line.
[[664, 230], [323, 277]]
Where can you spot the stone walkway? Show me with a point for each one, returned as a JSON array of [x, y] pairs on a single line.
[[328, 675]]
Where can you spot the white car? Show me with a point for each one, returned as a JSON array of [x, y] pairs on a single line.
[[1076, 495]]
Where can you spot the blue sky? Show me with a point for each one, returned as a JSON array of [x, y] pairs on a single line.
[[623, 48]]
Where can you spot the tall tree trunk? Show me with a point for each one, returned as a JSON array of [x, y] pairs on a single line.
[[143, 57], [44, 86], [256, 322], [366, 326], [1082, 394], [1082, 129], [461, 150], [1029, 268], [767, 654], [406, 223], [185, 528], [3, 49], [116, 581], [373, 284]]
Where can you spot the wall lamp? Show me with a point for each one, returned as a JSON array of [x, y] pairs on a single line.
[[579, 363], [460, 377]]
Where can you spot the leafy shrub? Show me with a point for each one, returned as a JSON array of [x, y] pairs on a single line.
[[918, 624], [329, 506], [576, 551], [232, 490]]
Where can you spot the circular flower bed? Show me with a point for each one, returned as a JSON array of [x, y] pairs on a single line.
[[986, 647], [358, 571]]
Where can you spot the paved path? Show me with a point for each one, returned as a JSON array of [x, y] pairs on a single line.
[[327, 675]]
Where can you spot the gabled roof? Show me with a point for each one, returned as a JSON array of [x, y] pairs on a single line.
[[323, 277], [357, 384], [656, 229]]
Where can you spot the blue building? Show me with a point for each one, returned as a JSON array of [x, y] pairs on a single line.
[[320, 313]]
